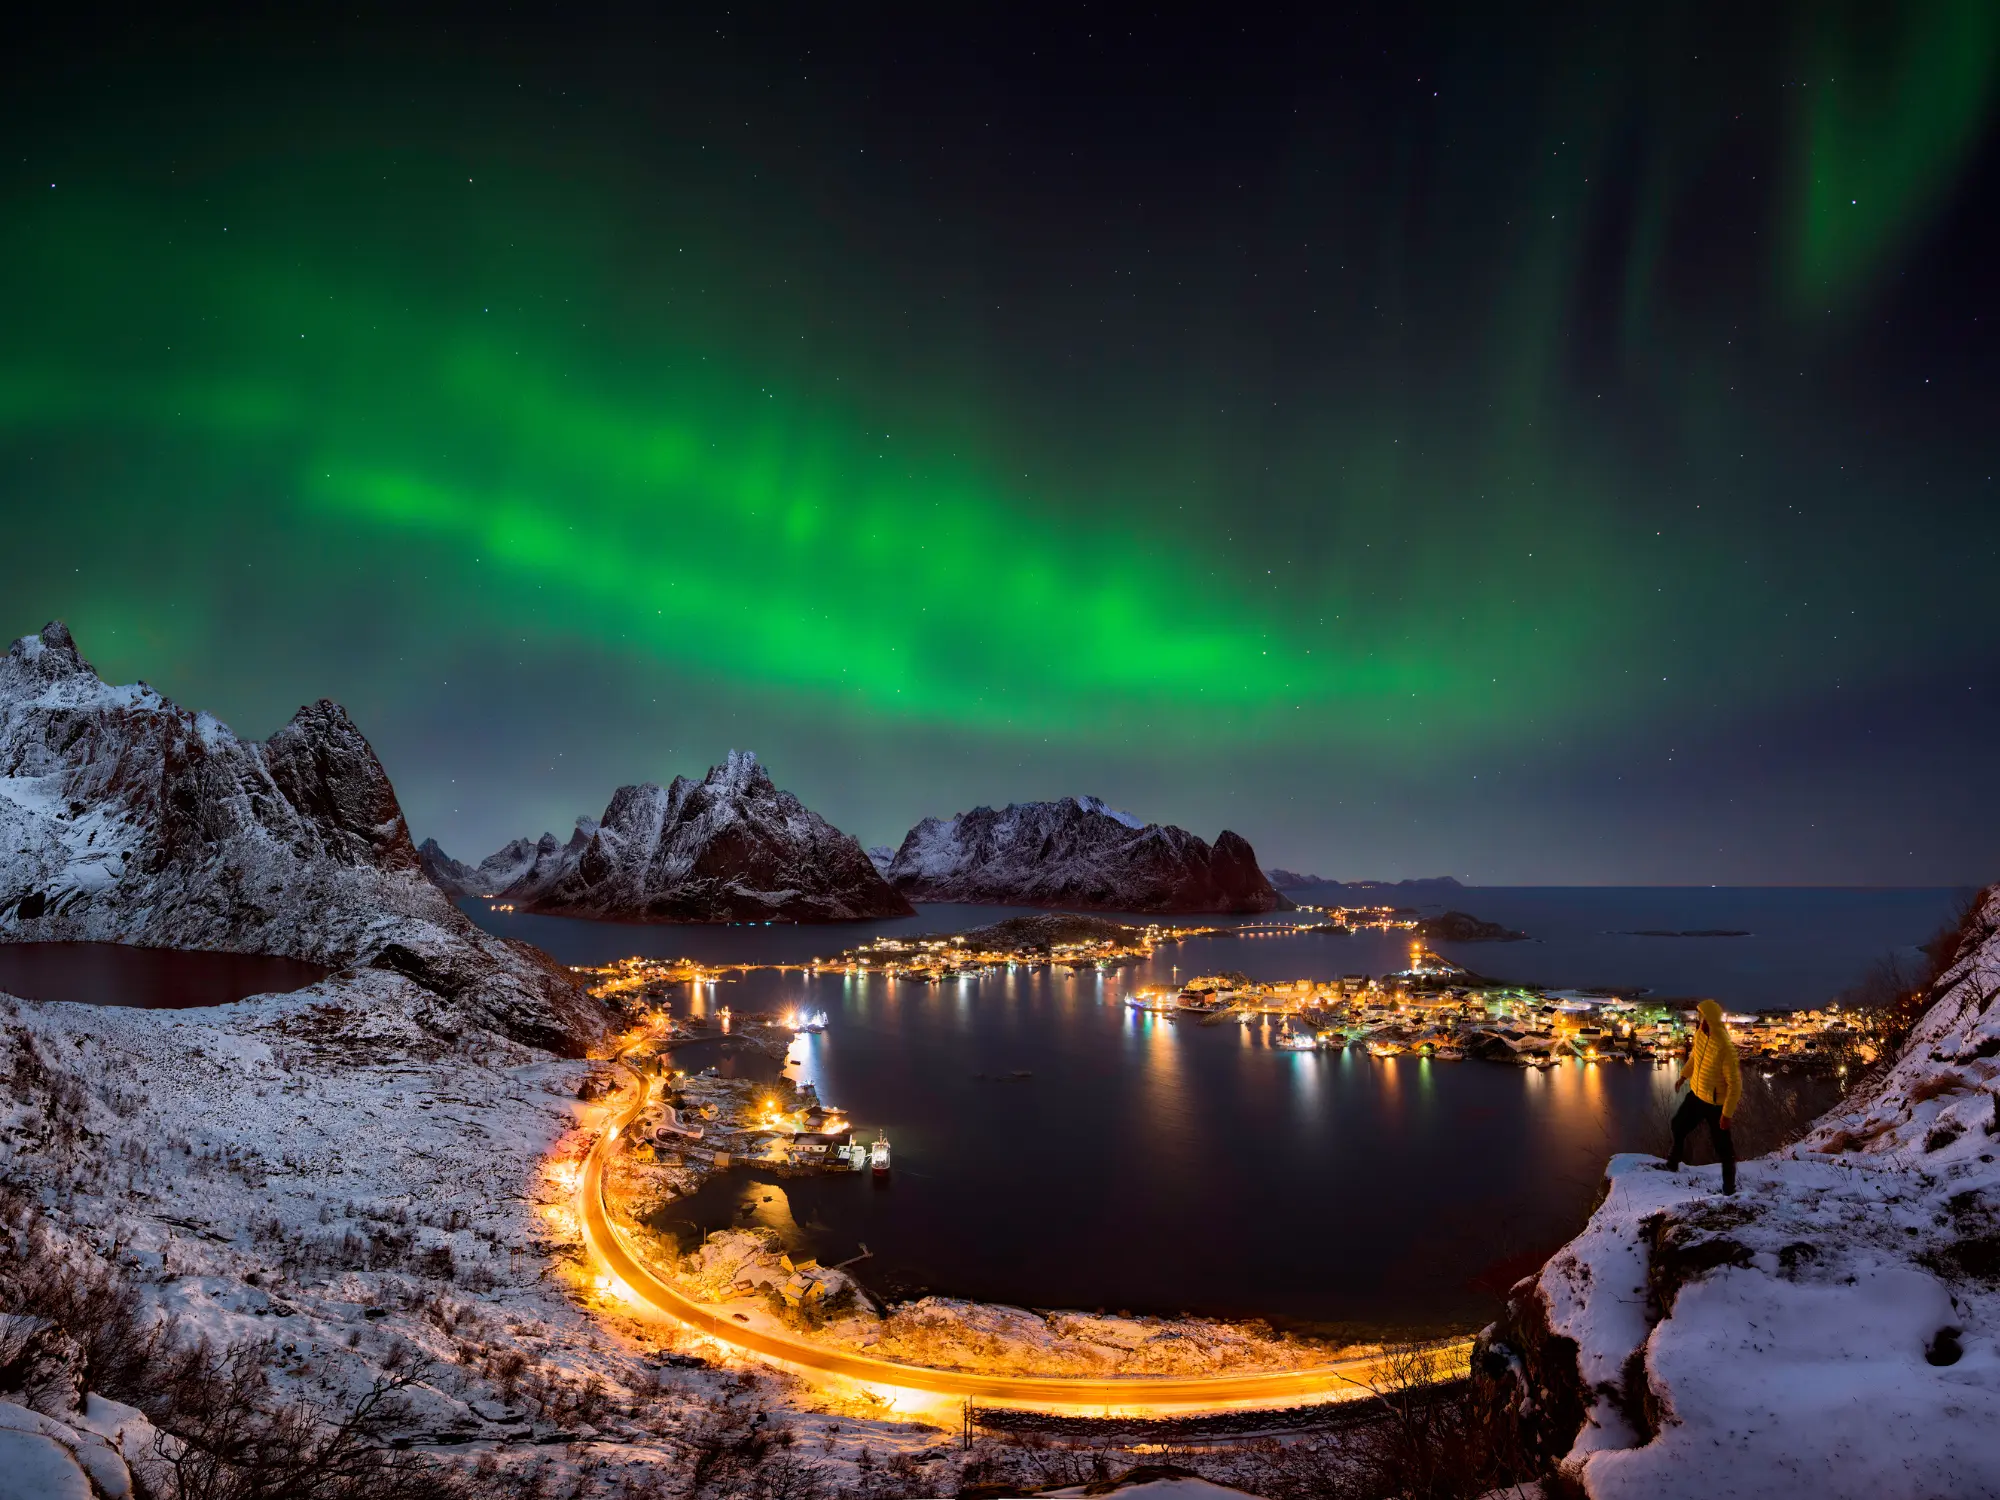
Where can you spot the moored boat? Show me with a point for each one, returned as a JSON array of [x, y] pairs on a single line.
[[1293, 1040]]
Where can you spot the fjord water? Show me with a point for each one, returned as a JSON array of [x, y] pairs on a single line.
[[148, 978], [1055, 1148]]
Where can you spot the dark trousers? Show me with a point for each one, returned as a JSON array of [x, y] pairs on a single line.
[[1693, 1112]]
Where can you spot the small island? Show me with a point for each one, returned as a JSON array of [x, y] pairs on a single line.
[[1463, 927]]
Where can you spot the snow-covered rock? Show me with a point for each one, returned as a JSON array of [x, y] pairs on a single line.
[[127, 818], [728, 848], [42, 1459], [55, 1437], [1834, 1330], [1078, 853], [491, 875], [447, 874]]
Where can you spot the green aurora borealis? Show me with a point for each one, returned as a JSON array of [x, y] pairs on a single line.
[[1235, 430]]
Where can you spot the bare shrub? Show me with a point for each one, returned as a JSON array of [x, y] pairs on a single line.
[[1438, 1438], [224, 1433]]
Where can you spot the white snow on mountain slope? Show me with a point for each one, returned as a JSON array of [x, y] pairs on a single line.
[[490, 876], [126, 818], [1077, 852], [1834, 1330], [1098, 805], [504, 866], [320, 1173], [731, 847]]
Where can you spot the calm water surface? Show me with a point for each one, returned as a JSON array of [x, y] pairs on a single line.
[[149, 978], [1164, 1166]]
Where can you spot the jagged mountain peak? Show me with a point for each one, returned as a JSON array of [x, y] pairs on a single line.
[[45, 659], [741, 772], [1077, 852], [53, 649], [730, 847], [127, 818], [327, 769]]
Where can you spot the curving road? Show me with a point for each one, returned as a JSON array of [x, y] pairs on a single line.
[[1343, 1379]]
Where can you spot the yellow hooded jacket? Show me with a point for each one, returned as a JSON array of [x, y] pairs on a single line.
[[1711, 1068]]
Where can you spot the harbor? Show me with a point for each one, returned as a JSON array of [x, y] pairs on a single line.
[[1438, 1010], [1185, 1087], [1429, 1005]]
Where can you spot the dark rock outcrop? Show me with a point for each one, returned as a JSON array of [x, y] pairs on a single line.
[[127, 818], [1463, 927], [1078, 853], [447, 874], [731, 847]]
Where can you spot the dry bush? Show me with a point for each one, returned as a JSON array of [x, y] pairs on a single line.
[[1902, 993], [1437, 1439], [225, 1434]]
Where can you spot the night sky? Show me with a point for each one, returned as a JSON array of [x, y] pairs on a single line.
[[1556, 447]]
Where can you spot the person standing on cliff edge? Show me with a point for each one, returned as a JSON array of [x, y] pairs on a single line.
[[1715, 1088]]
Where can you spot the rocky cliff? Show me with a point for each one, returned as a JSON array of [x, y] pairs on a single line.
[[728, 848], [127, 818], [447, 874], [1078, 853], [1833, 1330]]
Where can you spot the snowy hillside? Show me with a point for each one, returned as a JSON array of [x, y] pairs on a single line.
[[126, 818], [1078, 853], [1834, 1330], [728, 848], [338, 1203]]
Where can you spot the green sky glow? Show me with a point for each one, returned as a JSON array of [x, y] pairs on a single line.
[[763, 525], [1312, 468], [1888, 114]]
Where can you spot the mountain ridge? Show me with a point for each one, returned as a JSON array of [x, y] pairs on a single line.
[[127, 818], [731, 847], [1077, 852]]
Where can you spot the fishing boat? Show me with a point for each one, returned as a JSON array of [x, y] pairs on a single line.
[[878, 1155], [1293, 1040]]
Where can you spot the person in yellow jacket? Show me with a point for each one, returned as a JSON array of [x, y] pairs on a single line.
[[1715, 1088]]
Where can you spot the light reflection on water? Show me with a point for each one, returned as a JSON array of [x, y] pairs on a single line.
[[1160, 1165]]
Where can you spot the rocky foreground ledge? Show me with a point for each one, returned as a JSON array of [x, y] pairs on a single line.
[[1833, 1330]]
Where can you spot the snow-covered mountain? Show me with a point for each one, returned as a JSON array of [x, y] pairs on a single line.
[[127, 818], [1078, 853], [447, 874], [728, 848], [1833, 1330], [490, 876]]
